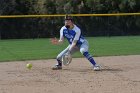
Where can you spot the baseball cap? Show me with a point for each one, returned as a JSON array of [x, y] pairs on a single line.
[[68, 17]]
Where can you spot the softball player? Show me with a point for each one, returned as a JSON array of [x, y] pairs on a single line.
[[76, 42]]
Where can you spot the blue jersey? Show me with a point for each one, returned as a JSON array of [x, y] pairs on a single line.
[[73, 34]]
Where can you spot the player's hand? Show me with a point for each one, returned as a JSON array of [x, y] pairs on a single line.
[[68, 53], [54, 41]]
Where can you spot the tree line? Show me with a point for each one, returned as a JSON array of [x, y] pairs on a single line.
[[49, 27]]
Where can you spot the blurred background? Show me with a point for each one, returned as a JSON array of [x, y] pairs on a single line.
[[46, 27]]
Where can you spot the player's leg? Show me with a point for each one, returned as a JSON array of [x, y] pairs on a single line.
[[84, 50], [59, 59]]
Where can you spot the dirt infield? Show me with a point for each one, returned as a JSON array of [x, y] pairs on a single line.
[[120, 74]]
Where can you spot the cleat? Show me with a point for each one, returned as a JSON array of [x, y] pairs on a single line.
[[97, 68], [57, 67]]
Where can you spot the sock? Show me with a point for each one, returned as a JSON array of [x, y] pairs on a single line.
[[59, 62], [90, 58]]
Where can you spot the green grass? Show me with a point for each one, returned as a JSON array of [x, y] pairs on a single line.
[[29, 49], [113, 46]]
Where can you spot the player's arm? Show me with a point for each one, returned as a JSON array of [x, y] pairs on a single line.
[[76, 38], [73, 45], [61, 39], [55, 41]]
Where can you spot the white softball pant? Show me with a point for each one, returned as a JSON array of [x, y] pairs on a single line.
[[83, 48]]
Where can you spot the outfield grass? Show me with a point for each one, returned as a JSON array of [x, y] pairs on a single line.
[[29, 49]]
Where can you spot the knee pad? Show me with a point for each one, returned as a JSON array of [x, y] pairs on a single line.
[[82, 50]]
